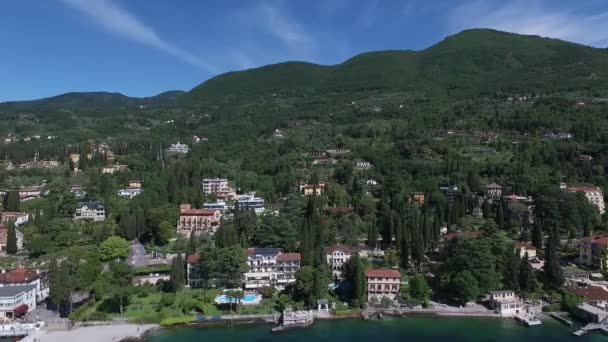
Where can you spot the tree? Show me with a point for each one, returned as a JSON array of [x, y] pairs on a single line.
[[165, 232], [57, 292], [113, 248], [11, 238], [12, 201], [192, 243], [419, 288], [372, 234], [553, 273], [177, 274], [226, 235], [511, 270], [304, 285], [527, 279], [355, 273], [500, 216], [121, 275], [464, 286], [223, 265], [275, 231]]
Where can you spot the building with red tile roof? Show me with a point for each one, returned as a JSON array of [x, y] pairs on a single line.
[[525, 248], [198, 220], [593, 194], [591, 251], [593, 295], [194, 277], [383, 283], [22, 277]]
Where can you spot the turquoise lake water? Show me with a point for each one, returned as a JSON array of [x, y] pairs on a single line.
[[388, 329]]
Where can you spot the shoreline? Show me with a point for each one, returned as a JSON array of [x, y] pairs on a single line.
[[97, 333]]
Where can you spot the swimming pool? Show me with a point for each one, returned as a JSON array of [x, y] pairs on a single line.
[[248, 299]]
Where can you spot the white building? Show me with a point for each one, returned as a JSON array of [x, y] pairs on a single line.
[[493, 191], [506, 303], [363, 165], [129, 193], [250, 202], [22, 276], [17, 301], [526, 248], [213, 186], [337, 257], [94, 211], [270, 267], [18, 218], [218, 205], [178, 148], [592, 251], [593, 194]]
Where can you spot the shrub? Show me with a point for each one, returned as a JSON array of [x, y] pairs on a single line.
[[167, 299], [169, 321]]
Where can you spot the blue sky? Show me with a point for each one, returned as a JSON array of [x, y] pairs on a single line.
[[144, 47]]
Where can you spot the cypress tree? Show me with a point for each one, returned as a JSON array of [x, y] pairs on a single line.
[[372, 234], [500, 219], [358, 281], [177, 273], [527, 279], [537, 235], [511, 270], [12, 201], [554, 275], [11, 238], [191, 248]]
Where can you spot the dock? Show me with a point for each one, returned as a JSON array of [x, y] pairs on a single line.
[[561, 318], [590, 327], [529, 321]]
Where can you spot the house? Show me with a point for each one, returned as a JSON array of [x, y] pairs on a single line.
[[558, 136], [22, 276], [4, 238], [115, 168], [520, 209], [493, 191], [371, 182], [250, 202], [383, 284], [584, 157], [78, 191], [277, 133], [94, 211], [593, 194], [591, 313], [218, 205], [338, 151], [271, 267], [28, 192], [325, 161], [135, 184], [417, 197], [129, 193], [18, 219], [363, 165], [316, 154], [312, 189], [178, 148], [197, 220], [450, 192], [213, 186], [196, 139], [592, 251], [17, 301], [193, 271], [576, 274], [506, 303], [337, 257], [525, 248], [594, 295]]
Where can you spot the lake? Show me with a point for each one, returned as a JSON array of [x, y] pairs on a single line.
[[388, 329]]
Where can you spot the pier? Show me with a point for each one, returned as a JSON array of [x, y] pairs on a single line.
[[560, 318], [590, 327]]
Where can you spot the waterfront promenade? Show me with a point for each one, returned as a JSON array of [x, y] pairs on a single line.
[[98, 333]]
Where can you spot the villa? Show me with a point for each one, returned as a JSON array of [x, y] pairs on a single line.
[[337, 257], [193, 271], [214, 186], [178, 148], [129, 193], [218, 205], [18, 219], [22, 276], [493, 191], [17, 301], [94, 211], [250, 202], [271, 267], [593, 194], [526, 248], [115, 168], [4, 238], [383, 284], [197, 220], [312, 189], [592, 251], [506, 303]]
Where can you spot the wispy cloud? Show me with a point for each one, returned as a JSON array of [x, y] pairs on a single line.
[[538, 17], [119, 21], [276, 22]]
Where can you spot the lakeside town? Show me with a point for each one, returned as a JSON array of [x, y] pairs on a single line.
[[463, 249]]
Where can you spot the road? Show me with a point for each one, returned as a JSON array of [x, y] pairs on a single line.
[[138, 255]]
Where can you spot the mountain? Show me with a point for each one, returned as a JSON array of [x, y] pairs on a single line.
[[467, 64], [464, 64], [91, 102]]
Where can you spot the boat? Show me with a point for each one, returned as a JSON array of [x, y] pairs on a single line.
[[294, 320]]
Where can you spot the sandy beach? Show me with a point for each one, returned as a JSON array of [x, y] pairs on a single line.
[[100, 333]]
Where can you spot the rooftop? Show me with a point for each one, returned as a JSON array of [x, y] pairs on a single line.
[[583, 189], [526, 246], [192, 259], [598, 239], [465, 234], [289, 257], [383, 273], [338, 247], [590, 292], [197, 212], [12, 291], [19, 275]]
